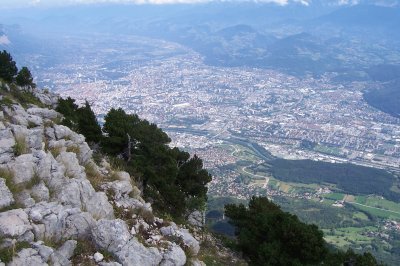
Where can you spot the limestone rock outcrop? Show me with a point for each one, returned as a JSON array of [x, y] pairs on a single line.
[[56, 202]]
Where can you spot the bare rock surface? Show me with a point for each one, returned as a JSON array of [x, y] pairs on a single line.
[[6, 197], [59, 206]]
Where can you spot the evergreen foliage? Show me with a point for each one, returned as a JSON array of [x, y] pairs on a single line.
[[68, 108], [173, 181], [8, 68], [269, 236], [81, 119], [87, 124], [24, 78]]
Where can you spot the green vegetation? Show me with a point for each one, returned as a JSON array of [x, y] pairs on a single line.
[[84, 250], [20, 146], [377, 212], [24, 78], [9, 71], [6, 254], [328, 150], [385, 99], [268, 236], [171, 179], [8, 67], [353, 179], [81, 119], [334, 196]]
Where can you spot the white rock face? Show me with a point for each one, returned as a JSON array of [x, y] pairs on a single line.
[[120, 188], [79, 193], [188, 240], [174, 256], [63, 254], [14, 223], [35, 120], [98, 257], [43, 112], [111, 234], [196, 219], [27, 256], [23, 168], [35, 138], [114, 236], [110, 264], [71, 163], [134, 253], [7, 142], [60, 203], [51, 219], [6, 197], [44, 251], [40, 192]]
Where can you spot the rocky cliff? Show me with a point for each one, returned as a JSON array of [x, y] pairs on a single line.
[[60, 207]]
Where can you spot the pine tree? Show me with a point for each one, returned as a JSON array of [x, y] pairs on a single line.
[[24, 78], [87, 124], [8, 68]]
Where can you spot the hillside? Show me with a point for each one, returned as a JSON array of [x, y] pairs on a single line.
[[385, 99], [59, 207]]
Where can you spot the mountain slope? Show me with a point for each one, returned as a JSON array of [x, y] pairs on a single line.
[[58, 206]]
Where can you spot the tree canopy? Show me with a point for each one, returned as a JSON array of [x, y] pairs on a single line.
[[266, 235], [173, 181], [24, 78], [8, 68], [82, 119]]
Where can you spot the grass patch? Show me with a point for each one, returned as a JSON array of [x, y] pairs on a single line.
[[9, 176], [55, 151], [20, 146], [74, 149], [334, 196], [146, 214], [6, 101], [211, 253], [6, 254], [374, 211], [84, 249], [25, 97], [33, 182], [93, 175], [125, 214], [31, 124]]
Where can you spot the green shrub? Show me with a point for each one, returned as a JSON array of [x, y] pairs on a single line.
[[8, 176], [6, 101], [6, 254], [93, 175], [33, 182], [20, 146]]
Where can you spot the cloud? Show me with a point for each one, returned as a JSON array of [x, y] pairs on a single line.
[[27, 3], [304, 2], [348, 2]]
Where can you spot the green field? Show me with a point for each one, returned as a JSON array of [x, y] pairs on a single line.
[[328, 150], [381, 213], [334, 196], [356, 225], [345, 237]]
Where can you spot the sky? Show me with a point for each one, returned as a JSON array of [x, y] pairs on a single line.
[[45, 3], [52, 3]]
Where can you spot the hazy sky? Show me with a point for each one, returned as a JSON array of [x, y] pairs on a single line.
[[45, 3], [30, 3]]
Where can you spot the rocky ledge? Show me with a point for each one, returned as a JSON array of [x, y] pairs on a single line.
[[59, 207]]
